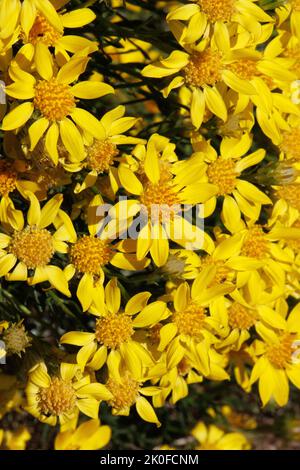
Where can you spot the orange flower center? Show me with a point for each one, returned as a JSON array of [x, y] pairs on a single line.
[[54, 100], [33, 246], [204, 68], [291, 194], [280, 354], [101, 155], [240, 316], [190, 321], [222, 173], [124, 393], [88, 254], [160, 199], [244, 68], [8, 178], [114, 330], [42, 31], [217, 9], [291, 143], [56, 399], [255, 245]]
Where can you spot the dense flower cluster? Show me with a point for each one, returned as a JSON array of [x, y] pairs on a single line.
[[177, 303]]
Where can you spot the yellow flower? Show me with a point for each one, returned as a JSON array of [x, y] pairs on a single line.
[[39, 30], [61, 397], [192, 331], [127, 390], [113, 336], [101, 152], [278, 360], [53, 99], [225, 172], [90, 254], [214, 438], [209, 65], [200, 13], [18, 12], [90, 435], [163, 186], [244, 309], [258, 248], [174, 380], [27, 249]]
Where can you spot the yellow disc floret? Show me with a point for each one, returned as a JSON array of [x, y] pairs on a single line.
[[88, 254], [56, 399], [124, 392], [190, 321], [222, 173], [255, 244], [42, 31], [8, 178], [291, 194], [101, 155], [216, 10], [240, 316], [33, 246], [54, 100], [160, 200], [204, 68], [291, 143], [114, 330], [280, 354]]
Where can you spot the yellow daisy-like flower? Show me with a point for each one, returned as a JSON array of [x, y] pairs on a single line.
[[191, 330], [255, 247], [90, 435], [113, 336], [278, 353], [214, 438], [54, 100], [162, 188], [209, 65], [244, 310], [127, 391], [176, 373], [201, 13], [38, 30], [27, 249], [61, 397], [101, 152], [91, 253], [224, 171]]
